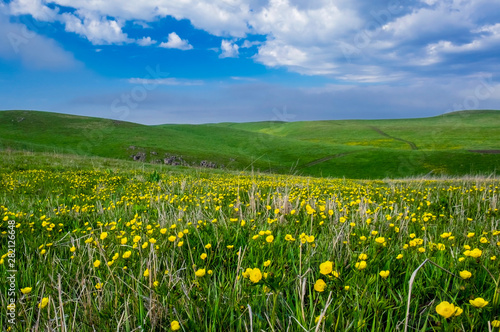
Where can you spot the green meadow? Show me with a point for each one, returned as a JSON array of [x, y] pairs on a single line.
[[113, 245]]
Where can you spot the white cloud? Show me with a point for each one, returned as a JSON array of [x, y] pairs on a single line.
[[98, 30], [174, 41], [309, 37], [34, 8], [164, 81], [248, 44], [146, 41], [228, 49], [17, 43]]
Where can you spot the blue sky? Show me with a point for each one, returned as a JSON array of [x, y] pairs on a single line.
[[197, 61]]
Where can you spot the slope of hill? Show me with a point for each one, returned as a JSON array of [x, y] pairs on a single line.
[[347, 148]]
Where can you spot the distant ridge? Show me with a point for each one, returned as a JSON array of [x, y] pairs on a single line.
[[454, 143]]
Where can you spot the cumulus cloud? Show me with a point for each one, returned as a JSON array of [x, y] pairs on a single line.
[[98, 30], [34, 8], [228, 49], [174, 41], [316, 37], [146, 41]]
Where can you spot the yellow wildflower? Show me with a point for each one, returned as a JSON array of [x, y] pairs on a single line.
[[320, 285], [326, 267], [445, 309]]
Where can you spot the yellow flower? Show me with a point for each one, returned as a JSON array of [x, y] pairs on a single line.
[[255, 275], [440, 247], [174, 325], [146, 273], [269, 238], [335, 274], [289, 237], [144, 245], [156, 283], [43, 303], [347, 288], [246, 274], [123, 240], [127, 254], [320, 285], [326, 267], [458, 311], [267, 263], [384, 274], [445, 309], [103, 235], [478, 302], [476, 253], [465, 274], [26, 290], [362, 238], [380, 240], [163, 230], [180, 244], [399, 256], [98, 286], [172, 238], [203, 256], [360, 265], [152, 240], [495, 323], [97, 263], [137, 238], [363, 257], [200, 273], [208, 246], [72, 249], [469, 235]]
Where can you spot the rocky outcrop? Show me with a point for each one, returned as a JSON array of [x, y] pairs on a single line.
[[208, 164], [139, 156], [174, 160]]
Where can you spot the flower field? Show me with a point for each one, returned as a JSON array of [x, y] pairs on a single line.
[[132, 250]]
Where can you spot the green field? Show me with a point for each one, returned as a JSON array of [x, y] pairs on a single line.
[[451, 145], [113, 245]]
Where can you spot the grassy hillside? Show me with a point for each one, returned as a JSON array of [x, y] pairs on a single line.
[[466, 130], [349, 148]]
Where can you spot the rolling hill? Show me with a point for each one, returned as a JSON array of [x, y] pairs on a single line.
[[457, 143]]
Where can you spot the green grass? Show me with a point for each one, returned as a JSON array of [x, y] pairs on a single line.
[[349, 148], [70, 216]]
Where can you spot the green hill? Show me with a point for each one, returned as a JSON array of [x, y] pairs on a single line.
[[451, 144]]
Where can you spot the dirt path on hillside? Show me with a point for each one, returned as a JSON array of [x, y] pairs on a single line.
[[412, 145], [322, 160]]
